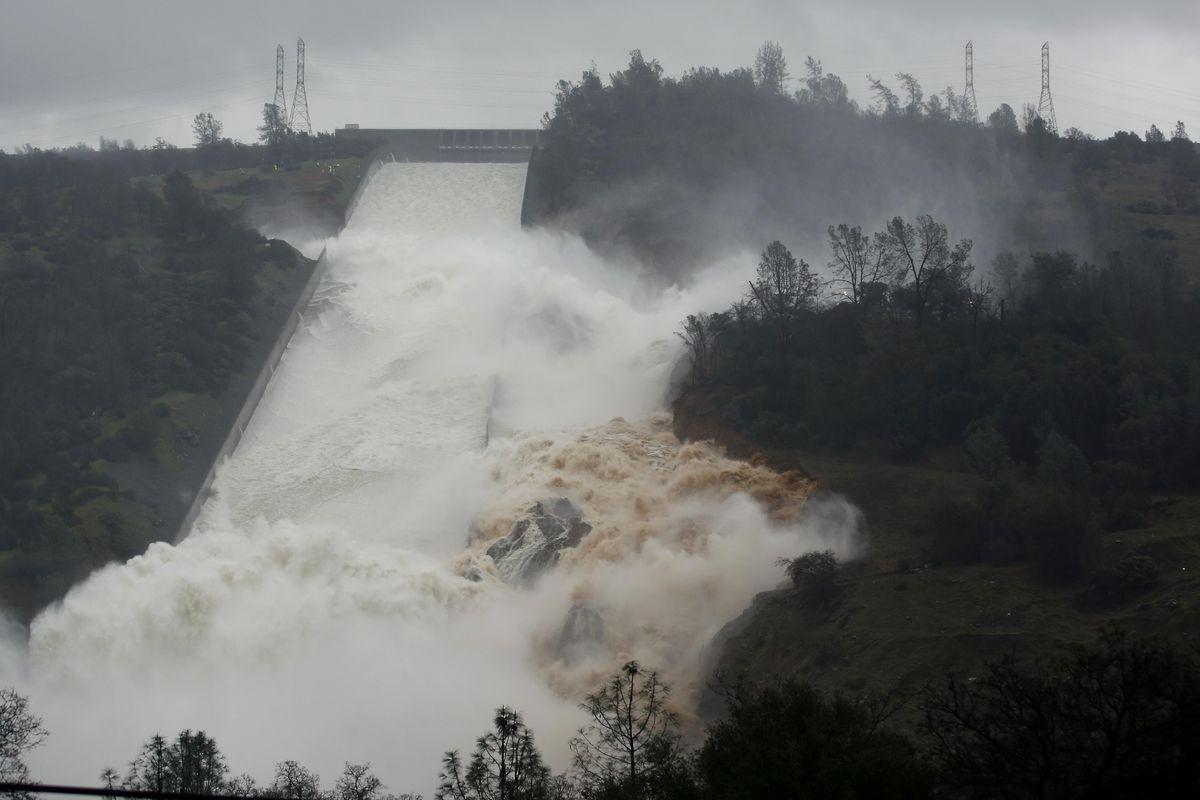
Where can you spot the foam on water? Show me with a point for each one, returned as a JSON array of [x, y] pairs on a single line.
[[452, 371]]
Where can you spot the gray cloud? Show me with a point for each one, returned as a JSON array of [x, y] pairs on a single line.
[[73, 71]]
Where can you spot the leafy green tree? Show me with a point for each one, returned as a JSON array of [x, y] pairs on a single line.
[[1003, 119], [192, 764], [1115, 719], [787, 740], [207, 129], [813, 573], [195, 764], [886, 101], [183, 204], [1061, 465], [632, 738], [985, 450], [1154, 135], [274, 132], [823, 89], [505, 766], [770, 68]]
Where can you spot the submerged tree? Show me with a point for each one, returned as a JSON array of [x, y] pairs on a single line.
[[505, 766]]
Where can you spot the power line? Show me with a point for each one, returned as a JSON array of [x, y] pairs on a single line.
[[74, 120]]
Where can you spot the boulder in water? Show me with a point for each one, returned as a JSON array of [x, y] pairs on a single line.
[[537, 540]]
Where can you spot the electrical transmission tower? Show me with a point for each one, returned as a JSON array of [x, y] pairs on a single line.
[[280, 93], [969, 92], [300, 96], [1046, 103]]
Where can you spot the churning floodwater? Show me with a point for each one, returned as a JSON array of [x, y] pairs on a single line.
[[336, 601]]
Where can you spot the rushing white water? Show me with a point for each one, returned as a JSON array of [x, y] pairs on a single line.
[[453, 370]]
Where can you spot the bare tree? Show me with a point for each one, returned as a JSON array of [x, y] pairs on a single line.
[[784, 287], [20, 732], [858, 260], [295, 782], [922, 254], [770, 68], [632, 733], [358, 783]]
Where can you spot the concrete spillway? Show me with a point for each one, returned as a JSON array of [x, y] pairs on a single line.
[[336, 601]]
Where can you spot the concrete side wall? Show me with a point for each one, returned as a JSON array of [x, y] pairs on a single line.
[[253, 396]]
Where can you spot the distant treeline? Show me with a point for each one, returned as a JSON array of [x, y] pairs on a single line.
[[672, 169], [111, 298], [1113, 719], [284, 150]]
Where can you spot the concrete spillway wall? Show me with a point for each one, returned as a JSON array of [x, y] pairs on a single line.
[[259, 387], [380, 156]]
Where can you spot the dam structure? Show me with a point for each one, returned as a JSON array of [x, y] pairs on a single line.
[[458, 490], [493, 145]]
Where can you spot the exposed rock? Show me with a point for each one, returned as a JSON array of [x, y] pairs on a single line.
[[582, 634], [537, 540]]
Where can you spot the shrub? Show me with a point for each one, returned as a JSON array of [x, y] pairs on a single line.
[[813, 573], [1058, 537], [906, 449], [985, 450], [1130, 576]]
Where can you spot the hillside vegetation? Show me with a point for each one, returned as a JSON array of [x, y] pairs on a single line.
[[126, 315], [997, 354]]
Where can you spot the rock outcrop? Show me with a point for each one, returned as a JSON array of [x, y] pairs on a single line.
[[537, 540]]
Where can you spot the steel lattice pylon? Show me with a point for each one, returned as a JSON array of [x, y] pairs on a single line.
[[300, 96], [969, 91], [280, 94], [1046, 103]]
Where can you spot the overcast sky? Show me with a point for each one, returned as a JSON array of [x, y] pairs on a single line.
[[137, 69]]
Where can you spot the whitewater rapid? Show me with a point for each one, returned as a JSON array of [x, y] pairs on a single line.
[[451, 371]]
